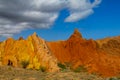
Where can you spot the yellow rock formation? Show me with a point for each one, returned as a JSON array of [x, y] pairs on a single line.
[[30, 53]]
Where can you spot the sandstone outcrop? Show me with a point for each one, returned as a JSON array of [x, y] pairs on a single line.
[[31, 53], [110, 45], [79, 51]]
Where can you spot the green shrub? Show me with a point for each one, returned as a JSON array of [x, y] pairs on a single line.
[[80, 69], [62, 66], [42, 68], [24, 64], [114, 78]]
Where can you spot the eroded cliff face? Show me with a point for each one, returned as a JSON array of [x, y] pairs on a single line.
[[79, 51], [31, 53]]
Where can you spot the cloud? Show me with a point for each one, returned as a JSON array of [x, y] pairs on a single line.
[[18, 15]]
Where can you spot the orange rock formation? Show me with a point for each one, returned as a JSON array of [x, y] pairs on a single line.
[[100, 56], [92, 54]]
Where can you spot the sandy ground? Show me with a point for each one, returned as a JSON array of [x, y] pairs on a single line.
[[10, 73]]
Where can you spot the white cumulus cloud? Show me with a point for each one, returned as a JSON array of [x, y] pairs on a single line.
[[18, 15]]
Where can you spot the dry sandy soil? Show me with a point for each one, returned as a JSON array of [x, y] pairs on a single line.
[[10, 73]]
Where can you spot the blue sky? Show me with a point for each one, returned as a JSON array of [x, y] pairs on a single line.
[[104, 22]]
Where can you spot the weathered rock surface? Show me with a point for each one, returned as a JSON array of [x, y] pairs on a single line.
[[79, 51], [100, 56], [110, 45], [30, 53]]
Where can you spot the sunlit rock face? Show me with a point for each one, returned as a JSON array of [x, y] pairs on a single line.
[[110, 45], [31, 53], [90, 53], [98, 56]]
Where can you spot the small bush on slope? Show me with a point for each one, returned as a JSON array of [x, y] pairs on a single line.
[[24, 64], [62, 66], [80, 69], [42, 68]]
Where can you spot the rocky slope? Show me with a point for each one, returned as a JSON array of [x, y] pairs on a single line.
[[92, 54], [100, 56], [31, 53], [110, 45]]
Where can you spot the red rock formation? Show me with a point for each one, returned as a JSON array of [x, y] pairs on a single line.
[[110, 45], [79, 51]]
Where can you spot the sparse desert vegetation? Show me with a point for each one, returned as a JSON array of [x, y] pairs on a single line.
[[11, 73], [24, 64], [80, 69]]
